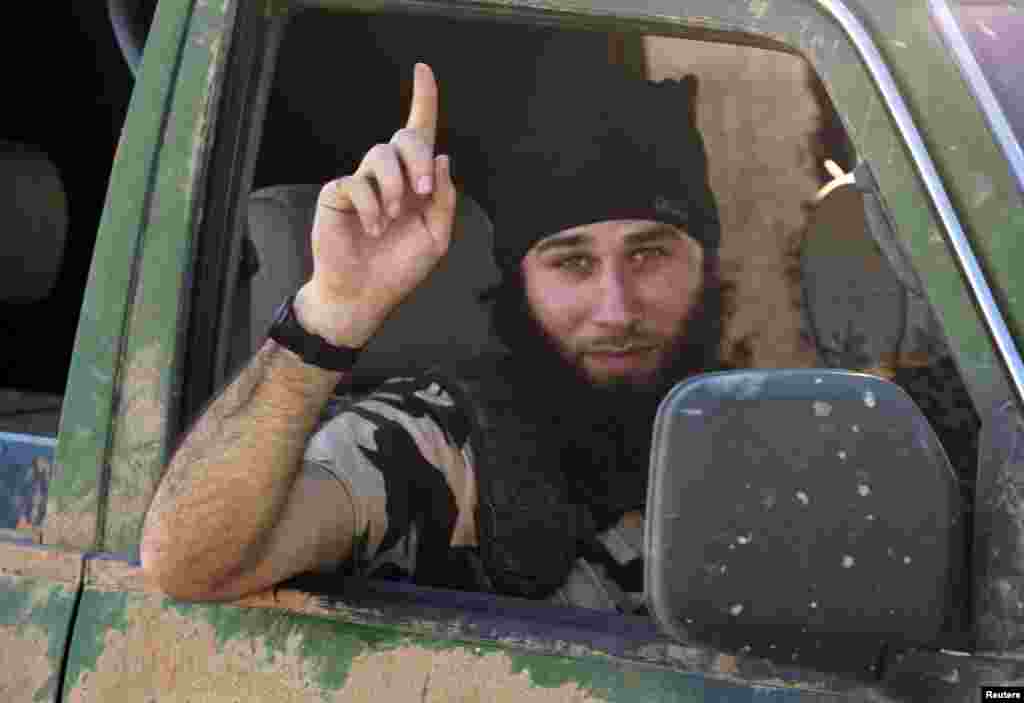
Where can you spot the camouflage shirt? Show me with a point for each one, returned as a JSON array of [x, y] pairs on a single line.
[[403, 453]]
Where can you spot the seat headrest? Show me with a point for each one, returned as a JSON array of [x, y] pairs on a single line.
[[863, 302], [34, 221]]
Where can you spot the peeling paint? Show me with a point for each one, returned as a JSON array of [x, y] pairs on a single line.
[[71, 521], [147, 648], [34, 622], [25, 669], [136, 462]]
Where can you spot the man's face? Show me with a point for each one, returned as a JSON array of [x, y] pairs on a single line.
[[614, 297]]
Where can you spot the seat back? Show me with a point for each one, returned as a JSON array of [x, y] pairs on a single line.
[[441, 322], [34, 223], [864, 305]]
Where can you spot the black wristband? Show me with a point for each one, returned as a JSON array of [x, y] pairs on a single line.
[[311, 348]]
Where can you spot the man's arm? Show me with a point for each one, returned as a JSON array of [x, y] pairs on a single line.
[[236, 511]]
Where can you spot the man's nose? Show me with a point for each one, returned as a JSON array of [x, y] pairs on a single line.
[[616, 304]]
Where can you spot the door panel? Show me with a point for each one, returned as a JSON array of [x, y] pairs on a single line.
[[131, 643], [38, 589]]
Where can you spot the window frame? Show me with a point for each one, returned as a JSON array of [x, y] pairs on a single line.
[[956, 42], [230, 164]]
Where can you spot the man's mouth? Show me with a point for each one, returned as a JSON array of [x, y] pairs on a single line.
[[621, 358], [621, 350]]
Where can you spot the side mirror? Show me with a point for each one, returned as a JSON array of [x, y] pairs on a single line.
[[809, 517]]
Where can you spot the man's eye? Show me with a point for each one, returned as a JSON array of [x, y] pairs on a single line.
[[574, 264], [642, 255]]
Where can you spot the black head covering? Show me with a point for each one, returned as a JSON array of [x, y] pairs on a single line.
[[602, 149]]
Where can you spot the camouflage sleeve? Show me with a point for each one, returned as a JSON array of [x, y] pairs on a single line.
[[403, 452]]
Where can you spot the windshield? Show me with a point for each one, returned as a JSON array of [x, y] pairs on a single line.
[[995, 33]]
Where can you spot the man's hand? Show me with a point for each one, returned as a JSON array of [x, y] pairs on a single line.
[[379, 232]]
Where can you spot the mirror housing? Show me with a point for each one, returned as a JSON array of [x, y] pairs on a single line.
[[809, 517]]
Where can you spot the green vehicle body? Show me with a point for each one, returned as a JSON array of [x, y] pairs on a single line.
[[77, 621]]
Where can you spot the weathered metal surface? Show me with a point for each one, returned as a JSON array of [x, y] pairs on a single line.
[[78, 483], [140, 646], [26, 463], [30, 561], [999, 533], [111, 444], [946, 677], [138, 447], [38, 587], [288, 645]]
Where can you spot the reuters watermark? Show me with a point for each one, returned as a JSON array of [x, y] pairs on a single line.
[[1002, 693]]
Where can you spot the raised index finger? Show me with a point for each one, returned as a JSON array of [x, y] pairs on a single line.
[[423, 112]]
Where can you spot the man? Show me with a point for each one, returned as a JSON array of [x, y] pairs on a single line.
[[523, 475]]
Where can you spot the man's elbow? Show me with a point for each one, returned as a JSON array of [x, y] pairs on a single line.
[[175, 578]]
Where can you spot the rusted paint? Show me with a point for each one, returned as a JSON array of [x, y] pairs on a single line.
[[89, 403], [119, 579], [116, 575], [181, 653], [152, 335], [139, 646], [137, 455], [25, 668], [458, 674], [45, 563], [275, 614], [37, 594], [71, 522]]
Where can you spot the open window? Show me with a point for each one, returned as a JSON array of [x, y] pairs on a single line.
[[768, 122], [53, 184]]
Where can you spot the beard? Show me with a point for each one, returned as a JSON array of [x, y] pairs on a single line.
[[627, 399], [604, 428]]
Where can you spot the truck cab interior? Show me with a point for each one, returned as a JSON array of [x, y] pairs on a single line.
[[58, 134], [808, 285]]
